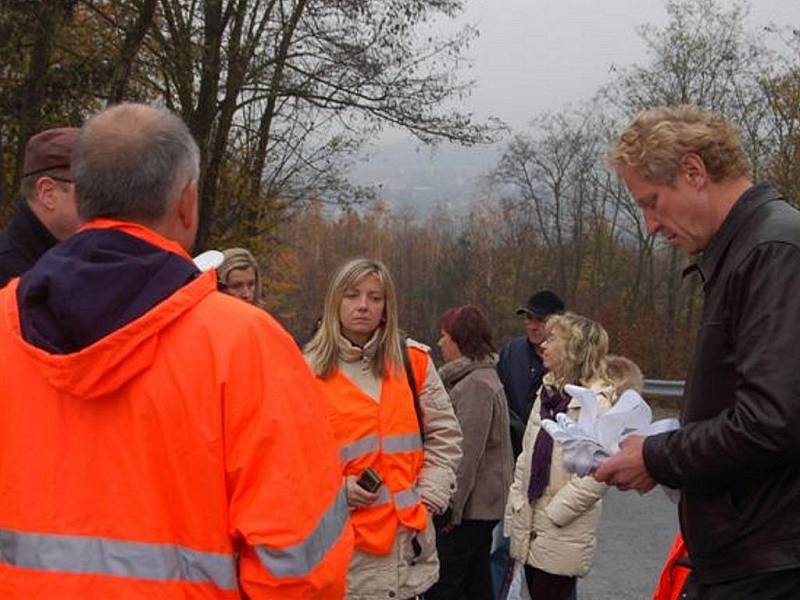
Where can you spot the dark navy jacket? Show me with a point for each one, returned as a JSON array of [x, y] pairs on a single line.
[[520, 370], [22, 243]]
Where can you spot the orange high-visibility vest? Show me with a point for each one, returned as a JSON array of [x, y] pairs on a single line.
[[673, 576], [180, 457], [383, 435]]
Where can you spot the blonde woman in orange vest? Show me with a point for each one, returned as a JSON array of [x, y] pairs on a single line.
[[396, 475]]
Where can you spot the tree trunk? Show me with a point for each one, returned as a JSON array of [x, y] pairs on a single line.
[[265, 125], [33, 89], [136, 32]]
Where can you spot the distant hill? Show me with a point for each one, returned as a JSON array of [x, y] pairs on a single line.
[[406, 174]]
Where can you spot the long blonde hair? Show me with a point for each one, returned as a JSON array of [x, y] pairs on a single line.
[[323, 349], [585, 349]]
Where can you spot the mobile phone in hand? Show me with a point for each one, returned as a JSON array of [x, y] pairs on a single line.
[[370, 480]]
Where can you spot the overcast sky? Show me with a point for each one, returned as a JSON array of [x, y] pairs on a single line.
[[534, 55], [537, 55]]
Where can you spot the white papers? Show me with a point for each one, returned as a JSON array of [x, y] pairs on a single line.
[[595, 436]]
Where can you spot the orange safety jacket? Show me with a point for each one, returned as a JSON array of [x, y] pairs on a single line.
[[383, 435], [181, 456], [673, 575]]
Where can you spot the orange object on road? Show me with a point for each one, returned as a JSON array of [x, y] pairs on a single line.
[[673, 575]]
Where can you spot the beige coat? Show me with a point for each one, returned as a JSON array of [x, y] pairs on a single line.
[[401, 574], [558, 533], [487, 467]]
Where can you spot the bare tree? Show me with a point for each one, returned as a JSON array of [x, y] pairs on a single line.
[[546, 170], [782, 91]]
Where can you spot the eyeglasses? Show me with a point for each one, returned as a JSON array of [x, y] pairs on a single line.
[[61, 179]]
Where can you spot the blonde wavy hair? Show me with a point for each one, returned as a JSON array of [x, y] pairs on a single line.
[[657, 139], [323, 349], [585, 349]]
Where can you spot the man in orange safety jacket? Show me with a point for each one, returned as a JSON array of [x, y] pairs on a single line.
[[158, 439]]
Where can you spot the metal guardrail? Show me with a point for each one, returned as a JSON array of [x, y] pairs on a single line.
[[670, 389]]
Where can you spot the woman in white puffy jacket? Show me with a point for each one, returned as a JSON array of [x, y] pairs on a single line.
[[551, 515]]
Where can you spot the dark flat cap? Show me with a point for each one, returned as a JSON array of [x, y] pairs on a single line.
[[542, 304], [49, 150]]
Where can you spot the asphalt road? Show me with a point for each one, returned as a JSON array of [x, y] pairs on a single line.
[[635, 534]]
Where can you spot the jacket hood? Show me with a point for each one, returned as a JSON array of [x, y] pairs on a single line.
[[454, 371], [91, 310]]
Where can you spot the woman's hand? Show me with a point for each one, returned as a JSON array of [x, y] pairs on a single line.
[[358, 497]]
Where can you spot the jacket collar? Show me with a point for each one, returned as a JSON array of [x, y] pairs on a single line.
[[139, 231], [749, 202], [455, 370], [29, 234], [349, 352]]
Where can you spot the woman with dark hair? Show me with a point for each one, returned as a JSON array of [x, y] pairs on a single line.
[[487, 467]]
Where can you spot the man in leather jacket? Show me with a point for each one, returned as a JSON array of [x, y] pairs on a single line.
[[736, 458]]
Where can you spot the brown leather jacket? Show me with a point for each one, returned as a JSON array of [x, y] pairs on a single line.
[[737, 457]]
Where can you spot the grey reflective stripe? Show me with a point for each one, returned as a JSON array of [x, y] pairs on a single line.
[[299, 560], [402, 443], [359, 448], [383, 496], [103, 556], [406, 498]]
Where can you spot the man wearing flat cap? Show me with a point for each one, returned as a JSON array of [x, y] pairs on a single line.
[[46, 213]]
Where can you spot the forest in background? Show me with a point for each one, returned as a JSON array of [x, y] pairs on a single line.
[[282, 94], [279, 94], [550, 214]]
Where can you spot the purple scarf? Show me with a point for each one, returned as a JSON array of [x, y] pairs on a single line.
[[553, 402]]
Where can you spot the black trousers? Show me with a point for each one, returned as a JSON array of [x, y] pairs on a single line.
[[464, 571], [778, 585], [546, 586]]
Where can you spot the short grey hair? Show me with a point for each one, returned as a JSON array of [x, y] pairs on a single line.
[[131, 162]]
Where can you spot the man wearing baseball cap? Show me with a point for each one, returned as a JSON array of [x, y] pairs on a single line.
[[46, 213], [520, 365], [521, 370]]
